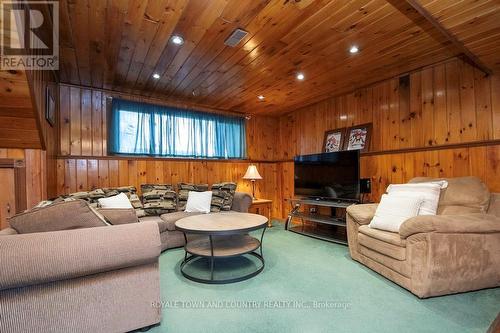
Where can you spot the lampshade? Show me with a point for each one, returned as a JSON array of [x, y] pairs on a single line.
[[252, 173]]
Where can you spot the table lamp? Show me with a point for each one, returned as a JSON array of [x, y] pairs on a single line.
[[252, 174]]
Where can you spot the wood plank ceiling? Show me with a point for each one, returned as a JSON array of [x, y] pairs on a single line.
[[119, 44]]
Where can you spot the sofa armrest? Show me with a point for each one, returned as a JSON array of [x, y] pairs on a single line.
[[119, 215], [8, 231], [461, 224], [362, 214], [30, 259], [241, 202]]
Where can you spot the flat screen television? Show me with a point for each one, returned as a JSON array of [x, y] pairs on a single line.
[[328, 176]]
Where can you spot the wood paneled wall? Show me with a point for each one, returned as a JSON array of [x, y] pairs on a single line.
[[77, 174], [443, 120], [83, 129], [83, 162], [449, 105]]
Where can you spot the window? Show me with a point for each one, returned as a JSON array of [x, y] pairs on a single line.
[[153, 130]]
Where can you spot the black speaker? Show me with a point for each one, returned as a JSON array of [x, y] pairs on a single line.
[[365, 185]]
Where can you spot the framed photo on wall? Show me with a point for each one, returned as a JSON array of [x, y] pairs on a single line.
[[358, 137], [50, 107], [334, 140]]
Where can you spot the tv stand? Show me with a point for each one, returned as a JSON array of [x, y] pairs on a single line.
[[333, 219]]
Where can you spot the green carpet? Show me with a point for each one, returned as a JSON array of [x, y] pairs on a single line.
[[328, 293]]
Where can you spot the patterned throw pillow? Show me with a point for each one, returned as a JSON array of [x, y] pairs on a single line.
[[184, 189], [158, 198], [224, 190]]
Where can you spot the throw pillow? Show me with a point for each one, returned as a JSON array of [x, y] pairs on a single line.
[[63, 215], [393, 211], [183, 192], [117, 201], [226, 191], [199, 202], [158, 199], [429, 192]]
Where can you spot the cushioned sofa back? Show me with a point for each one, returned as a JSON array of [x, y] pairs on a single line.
[[463, 195], [59, 216]]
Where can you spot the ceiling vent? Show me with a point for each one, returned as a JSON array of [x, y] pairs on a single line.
[[235, 37]]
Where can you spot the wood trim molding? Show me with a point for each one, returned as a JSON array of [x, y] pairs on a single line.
[[163, 159], [421, 17], [19, 181], [420, 149]]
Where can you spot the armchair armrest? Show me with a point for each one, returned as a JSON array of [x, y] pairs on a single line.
[[29, 259], [119, 215], [462, 224], [362, 214]]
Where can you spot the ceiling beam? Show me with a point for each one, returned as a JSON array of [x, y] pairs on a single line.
[[421, 17]]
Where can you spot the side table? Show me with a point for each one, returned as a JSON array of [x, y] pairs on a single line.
[[262, 207]]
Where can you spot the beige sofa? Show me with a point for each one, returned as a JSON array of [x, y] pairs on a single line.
[[170, 237], [455, 251], [101, 279]]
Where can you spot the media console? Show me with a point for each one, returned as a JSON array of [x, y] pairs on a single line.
[[335, 218]]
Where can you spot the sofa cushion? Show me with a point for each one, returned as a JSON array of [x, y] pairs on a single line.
[[388, 249], [463, 195], [393, 210], [59, 216], [183, 193], [226, 191], [158, 198], [385, 236], [168, 220]]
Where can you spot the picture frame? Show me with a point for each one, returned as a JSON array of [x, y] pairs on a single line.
[[50, 107], [358, 137], [334, 140]]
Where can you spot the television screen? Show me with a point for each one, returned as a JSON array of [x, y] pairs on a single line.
[[328, 175]]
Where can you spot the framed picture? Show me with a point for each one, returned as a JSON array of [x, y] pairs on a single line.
[[50, 107], [358, 137], [334, 140]]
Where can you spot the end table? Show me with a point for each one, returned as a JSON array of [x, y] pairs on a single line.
[[262, 207]]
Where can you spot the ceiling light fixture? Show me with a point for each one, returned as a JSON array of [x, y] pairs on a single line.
[[177, 40], [261, 97], [300, 76], [156, 76], [354, 49]]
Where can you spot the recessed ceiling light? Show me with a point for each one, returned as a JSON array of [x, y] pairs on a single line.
[[354, 49], [300, 76], [156, 76], [178, 40], [260, 97]]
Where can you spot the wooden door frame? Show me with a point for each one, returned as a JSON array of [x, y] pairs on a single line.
[[19, 181]]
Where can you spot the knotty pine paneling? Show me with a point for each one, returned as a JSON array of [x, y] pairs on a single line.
[[385, 169], [448, 103], [83, 124], [36, 164], [81, 174]]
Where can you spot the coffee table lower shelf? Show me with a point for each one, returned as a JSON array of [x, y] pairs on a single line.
[[215, 248]]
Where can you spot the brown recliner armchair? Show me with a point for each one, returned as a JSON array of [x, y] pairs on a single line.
[[455, 251]]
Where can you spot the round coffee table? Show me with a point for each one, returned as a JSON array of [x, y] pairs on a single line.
[[221, 235]]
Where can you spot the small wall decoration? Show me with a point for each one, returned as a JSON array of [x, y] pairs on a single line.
[[334, 140], [358, 137], [50, 107]]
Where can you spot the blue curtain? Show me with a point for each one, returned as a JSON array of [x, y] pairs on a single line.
[[146, 129]]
